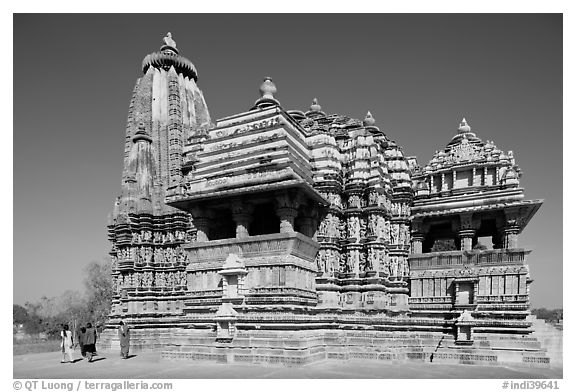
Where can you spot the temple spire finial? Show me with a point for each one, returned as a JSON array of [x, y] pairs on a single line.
[[267, 88], [369, 120], [315, 107], [169, 44], [267, 91], [169, 41], [464, 127]]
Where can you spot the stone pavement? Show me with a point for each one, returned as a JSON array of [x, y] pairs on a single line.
[[149, 365]]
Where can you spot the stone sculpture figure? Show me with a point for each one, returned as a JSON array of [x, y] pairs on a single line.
[[372, 225], [372, 259], [354, 227], [373, 198], [402, 234], [323, 228], [394, 234], [380, 227], [318, 260], [394, 266]]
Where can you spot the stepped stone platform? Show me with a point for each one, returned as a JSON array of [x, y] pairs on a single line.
[[306, 347]]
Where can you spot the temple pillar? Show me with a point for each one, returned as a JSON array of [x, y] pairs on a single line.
[[511, 229], [467, 232], [511, 236], [417, 240], [287, 210], [202, 222], [466, 237], [242, 216], [417, 235], [287, 216], [309, 222]]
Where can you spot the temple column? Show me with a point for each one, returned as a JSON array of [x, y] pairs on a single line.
[[417, 236], [287, 210], [417, 240], [466, 237], [511, 236], [202, 222], [512, 229], [467, 231], [242, 216], [309, 222]]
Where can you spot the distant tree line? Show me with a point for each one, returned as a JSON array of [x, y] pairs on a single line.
[[550, 315], [72, 307]]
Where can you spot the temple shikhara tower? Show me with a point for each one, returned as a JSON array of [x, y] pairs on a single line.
[[292, 236]]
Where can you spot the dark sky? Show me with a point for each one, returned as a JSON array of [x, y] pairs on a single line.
[[417, 74]]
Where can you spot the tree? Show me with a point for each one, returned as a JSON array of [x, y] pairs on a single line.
[[99, 290], [19, 314], [550, 315], [72, 309], [480, 246]]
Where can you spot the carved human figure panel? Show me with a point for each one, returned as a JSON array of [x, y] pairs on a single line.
[[323, 228], [318, 260], [373, 198], [394, 266], [394, 233], [380, 227], [372, 229], [372, 258], [354, 201], [354, 227], [383, 260]]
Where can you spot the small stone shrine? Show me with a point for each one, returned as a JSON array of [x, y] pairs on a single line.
[[285, 237]]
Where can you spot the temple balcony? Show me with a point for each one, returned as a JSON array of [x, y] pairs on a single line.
[[294, 243], [452, 259]]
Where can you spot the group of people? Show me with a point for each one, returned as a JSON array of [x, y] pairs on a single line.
[[87, 342]]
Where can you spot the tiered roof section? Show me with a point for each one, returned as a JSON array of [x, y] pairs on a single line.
[[469, 175]]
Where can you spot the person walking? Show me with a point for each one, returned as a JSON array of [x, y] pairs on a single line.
[[90, 342], [81, 341], [124, 335], [67, 345]]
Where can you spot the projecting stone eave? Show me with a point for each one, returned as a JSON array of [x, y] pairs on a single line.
[[225, 194], [527, 209]]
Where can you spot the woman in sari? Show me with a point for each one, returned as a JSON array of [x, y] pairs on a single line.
[[67, 345], [124, 335]]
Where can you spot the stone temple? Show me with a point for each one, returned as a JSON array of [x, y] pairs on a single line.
[[286, 237]]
